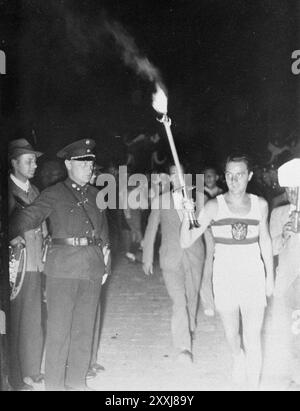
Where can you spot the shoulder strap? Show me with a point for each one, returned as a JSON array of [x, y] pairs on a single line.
[[80, 204], [255, 206]]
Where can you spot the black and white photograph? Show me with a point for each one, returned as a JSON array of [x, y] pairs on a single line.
[[150, 198]]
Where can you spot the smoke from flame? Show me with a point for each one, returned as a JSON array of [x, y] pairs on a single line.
[[132, 56]]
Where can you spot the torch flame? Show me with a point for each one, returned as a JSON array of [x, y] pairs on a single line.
[[160, 101]]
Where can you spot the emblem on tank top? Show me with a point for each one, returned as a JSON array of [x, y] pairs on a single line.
[[239, 231]]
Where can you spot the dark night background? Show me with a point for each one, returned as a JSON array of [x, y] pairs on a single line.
[[226, 65]]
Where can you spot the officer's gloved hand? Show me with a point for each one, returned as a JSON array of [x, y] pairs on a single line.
[[17, 241]]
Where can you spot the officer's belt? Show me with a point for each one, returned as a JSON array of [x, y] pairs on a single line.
[[77, 241]]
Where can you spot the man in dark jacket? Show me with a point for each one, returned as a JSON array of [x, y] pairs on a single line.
[[26, 336], [74, 265]]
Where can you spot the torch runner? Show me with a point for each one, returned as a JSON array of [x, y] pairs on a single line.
[[160, 105]]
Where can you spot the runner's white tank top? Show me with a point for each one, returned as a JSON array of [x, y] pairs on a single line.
[[233, 230], [238, 270]]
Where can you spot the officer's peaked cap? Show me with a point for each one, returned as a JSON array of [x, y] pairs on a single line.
[[81, 150]]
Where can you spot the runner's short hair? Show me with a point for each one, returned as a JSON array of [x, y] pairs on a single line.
[[239, 158]]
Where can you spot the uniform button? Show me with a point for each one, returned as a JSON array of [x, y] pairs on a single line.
[[86, 232], [71, 211], [87, 221]]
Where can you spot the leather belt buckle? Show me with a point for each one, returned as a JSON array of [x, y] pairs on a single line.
[[83, 241], [80, 241]]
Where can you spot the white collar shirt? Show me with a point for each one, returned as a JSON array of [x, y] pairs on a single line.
[[20, 184]]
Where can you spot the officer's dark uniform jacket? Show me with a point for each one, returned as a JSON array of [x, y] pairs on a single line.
[[67, 219]]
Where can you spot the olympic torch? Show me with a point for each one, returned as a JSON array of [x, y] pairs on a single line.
[[160, 105]]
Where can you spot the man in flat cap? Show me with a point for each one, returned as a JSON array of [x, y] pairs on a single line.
[[26, 336], [74, 265], [285, 233]]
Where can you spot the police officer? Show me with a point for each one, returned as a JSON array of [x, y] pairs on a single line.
[[74, 265]]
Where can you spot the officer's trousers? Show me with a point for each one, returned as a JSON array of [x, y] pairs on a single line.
[[96, 337], [25, 335], [72, 305]]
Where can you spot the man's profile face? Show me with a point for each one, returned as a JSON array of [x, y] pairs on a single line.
[[24, 166], [80, 171], [237, 176], [292, 194]]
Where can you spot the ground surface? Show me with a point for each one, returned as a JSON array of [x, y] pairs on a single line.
[[136, 348]]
